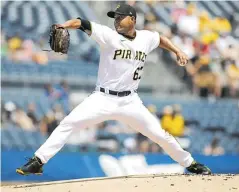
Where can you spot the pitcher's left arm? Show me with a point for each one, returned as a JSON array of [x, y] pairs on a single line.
[[165, 43]]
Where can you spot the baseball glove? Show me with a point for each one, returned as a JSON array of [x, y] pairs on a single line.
[[59, 39]]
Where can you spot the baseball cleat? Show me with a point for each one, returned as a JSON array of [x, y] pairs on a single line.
[[33, 166], [199, 168]]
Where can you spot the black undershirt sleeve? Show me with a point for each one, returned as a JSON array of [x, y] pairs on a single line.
[[85, 25]]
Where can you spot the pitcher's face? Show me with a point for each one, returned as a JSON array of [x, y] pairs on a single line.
[[123, 23]]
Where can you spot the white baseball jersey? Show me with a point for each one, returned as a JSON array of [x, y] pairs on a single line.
[[122, 60]]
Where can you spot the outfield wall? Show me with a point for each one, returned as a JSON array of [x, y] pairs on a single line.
[[65, 166]]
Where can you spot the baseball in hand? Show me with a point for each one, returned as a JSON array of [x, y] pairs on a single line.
[[182, 58]]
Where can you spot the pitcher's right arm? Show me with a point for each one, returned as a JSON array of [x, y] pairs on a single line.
[[100, 33], [71, 24]]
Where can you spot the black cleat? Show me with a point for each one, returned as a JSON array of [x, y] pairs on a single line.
[[199, 169], [33, 166]]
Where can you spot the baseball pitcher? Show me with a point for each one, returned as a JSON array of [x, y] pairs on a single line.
[[123, 53]]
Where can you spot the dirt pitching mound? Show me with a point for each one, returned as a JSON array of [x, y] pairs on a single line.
[[144, 183]]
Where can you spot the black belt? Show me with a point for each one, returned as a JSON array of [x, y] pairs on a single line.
[[117, 93]]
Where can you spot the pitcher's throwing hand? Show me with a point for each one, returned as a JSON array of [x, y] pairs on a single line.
[[182, 58]]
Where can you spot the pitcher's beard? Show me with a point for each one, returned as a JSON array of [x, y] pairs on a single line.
[[119, 30]]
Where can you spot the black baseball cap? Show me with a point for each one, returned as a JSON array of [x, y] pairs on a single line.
[[123, 9]]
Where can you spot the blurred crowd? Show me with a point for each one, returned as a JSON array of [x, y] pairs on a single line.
[[214, 148], [208, 41], [213, 52], [26, 50], [57, 99]]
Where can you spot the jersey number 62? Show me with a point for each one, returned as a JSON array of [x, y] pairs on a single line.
[[137, 73]]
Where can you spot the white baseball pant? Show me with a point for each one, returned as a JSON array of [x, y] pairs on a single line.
[[99, 107]]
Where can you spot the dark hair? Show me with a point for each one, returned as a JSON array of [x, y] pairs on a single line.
[[215, 142], [174, 29]]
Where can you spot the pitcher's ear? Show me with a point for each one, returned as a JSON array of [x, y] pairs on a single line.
[[133, 19]]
